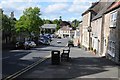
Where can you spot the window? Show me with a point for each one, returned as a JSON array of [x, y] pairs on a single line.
[[113, 20], [111, 48]]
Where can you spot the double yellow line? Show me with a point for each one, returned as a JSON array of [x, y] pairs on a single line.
[[15, 75]]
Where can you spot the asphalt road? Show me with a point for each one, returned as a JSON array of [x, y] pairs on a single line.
[[83, 65], [15, 60]]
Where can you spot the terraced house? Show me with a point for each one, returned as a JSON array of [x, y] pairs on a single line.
[[100, 29], [112, 32], [97, 28]]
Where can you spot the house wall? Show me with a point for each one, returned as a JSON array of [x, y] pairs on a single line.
[[61, 33], [86, 24], [76, 37], [106, 32], [96, 34], [113, 50], [81, 34]]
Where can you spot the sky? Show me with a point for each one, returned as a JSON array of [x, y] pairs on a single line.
[[50, 9]]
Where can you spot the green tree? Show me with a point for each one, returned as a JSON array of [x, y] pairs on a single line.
[[7, 25], [30, 21], [75, 23], [47, 21], [57, 22], [13, 30], [6, 29]]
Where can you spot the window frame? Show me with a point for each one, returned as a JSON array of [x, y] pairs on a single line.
[[113, 19]]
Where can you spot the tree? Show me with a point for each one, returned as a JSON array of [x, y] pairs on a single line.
[[57, 22], [6, 29], [12, 30], [47, 21], [75, 23], [30, 21]]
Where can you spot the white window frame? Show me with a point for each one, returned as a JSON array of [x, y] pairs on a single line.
[[111, 48], [113, 20]]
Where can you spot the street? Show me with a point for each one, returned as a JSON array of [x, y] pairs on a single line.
[[15, 60], [83, 64], [68, 39]]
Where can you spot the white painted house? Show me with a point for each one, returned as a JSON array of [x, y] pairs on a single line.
[[64, 32]]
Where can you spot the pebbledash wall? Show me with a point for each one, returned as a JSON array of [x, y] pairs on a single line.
[[113, 42]]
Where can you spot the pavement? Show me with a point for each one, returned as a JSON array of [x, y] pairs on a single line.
[[82, 65]]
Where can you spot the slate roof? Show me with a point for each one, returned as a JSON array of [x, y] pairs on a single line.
[[65, 23], [65, 28], [104, 9], [49, 26], [114, 6], [90, 8]]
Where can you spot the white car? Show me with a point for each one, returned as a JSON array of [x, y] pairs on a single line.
[[31, 44]]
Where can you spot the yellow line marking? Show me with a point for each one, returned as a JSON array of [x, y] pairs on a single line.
[[13, 76], [24, 70]]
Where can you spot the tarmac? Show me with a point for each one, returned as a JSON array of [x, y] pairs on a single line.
[[83, 65]]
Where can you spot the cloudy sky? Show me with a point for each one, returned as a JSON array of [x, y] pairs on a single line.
[[50, 9]]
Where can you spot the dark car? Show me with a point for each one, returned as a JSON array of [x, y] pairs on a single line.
[[44, 41], [22, 45], [70, 43], [19, 45]]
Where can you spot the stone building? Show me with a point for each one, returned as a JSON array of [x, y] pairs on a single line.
[[112, 18]]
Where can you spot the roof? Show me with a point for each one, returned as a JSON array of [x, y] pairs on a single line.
[[49, 26], [104, 9], [65, 28], [114, 6], [90, 8], [65, 23]]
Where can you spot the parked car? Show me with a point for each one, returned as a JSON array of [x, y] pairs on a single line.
[[70, 43], [19, 45], [31, 44], [22, 45], [26, 45], [44, 41], [45, 37], [48, 36]]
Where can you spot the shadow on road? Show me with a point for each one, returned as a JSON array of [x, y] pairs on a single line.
[[76, 68], [14, 63]]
